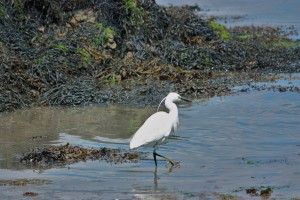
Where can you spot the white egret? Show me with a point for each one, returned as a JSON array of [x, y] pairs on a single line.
[[158, 127]]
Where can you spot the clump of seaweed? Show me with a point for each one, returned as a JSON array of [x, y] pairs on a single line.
[[67, 154]]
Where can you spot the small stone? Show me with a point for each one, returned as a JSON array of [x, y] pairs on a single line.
[[73, 21], [112, 45], [91, 20], [129, 55], [41, 29]]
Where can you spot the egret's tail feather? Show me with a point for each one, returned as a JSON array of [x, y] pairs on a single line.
[[133, 145]]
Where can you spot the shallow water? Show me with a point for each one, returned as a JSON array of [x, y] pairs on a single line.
[[255, 12], [224, 145]]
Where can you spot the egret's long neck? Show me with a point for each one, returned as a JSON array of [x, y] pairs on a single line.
[[173, 112]]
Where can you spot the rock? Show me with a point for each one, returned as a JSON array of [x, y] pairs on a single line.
[[129, 55], [91, 20], [41, 29], [111, 43], [83, 16]]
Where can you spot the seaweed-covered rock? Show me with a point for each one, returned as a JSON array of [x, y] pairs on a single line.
[[66, 154], [129, 51]]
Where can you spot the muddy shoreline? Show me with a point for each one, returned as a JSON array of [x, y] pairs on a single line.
[[130, 52]]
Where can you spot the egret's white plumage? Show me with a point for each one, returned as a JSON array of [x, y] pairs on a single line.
[[158, 126], [154, 131]]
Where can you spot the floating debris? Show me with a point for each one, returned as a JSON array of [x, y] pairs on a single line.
[[252, 191], [30, 194], [266, 193]]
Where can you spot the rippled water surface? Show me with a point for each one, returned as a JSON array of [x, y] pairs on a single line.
[[225, 145], [255, 12]]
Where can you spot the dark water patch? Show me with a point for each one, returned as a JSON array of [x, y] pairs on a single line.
[[275, 161]]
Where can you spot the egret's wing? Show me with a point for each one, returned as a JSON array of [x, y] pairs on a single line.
[[155, 128]]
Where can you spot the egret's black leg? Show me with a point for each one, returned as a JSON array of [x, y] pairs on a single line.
[[154, 156], [168, 159]]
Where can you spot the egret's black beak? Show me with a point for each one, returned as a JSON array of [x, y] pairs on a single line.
[[184, 99]]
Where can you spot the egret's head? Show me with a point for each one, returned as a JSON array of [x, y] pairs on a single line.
[[173, 97]]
